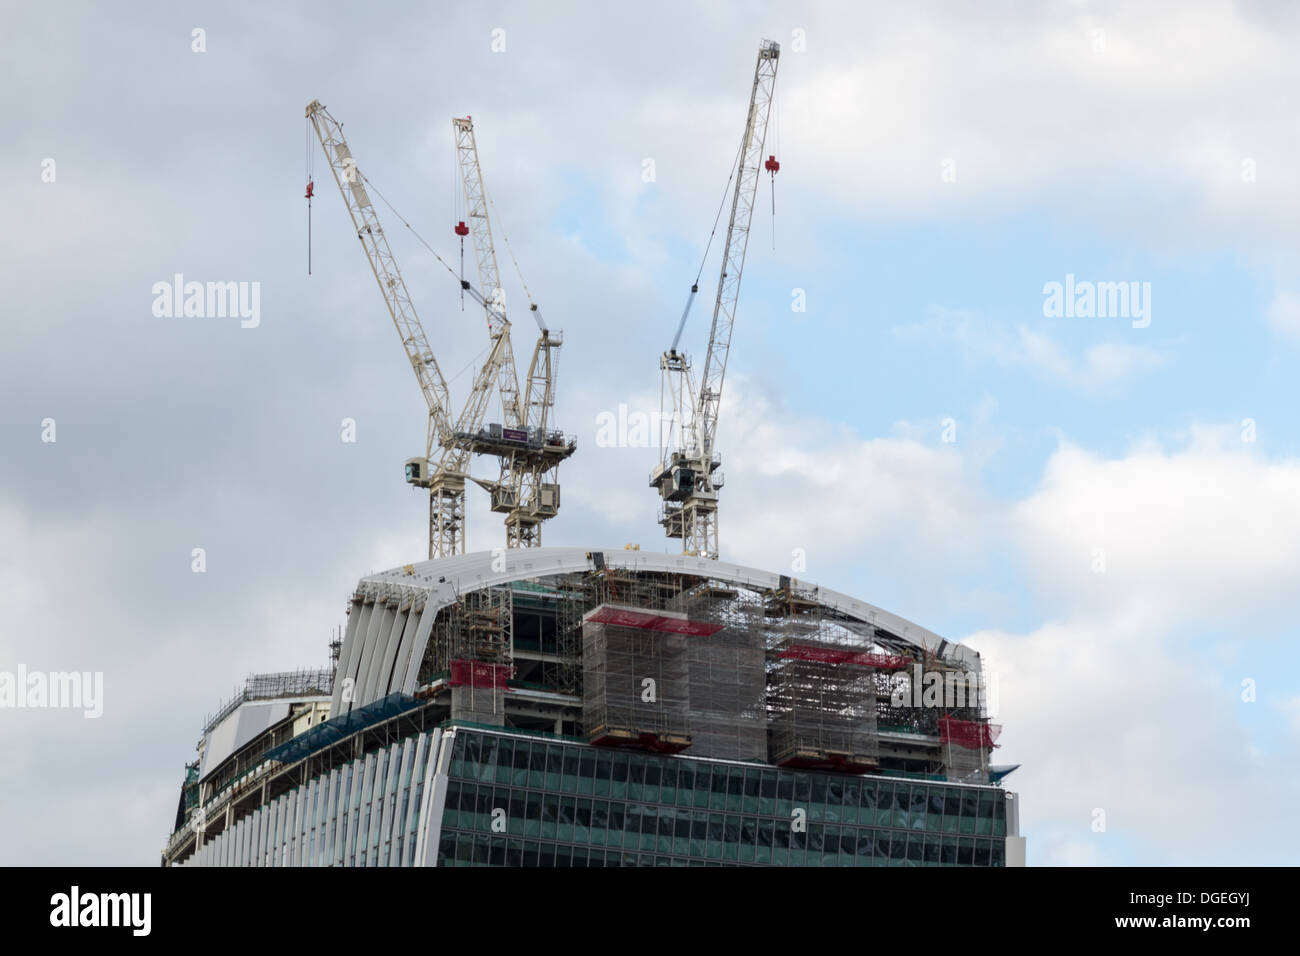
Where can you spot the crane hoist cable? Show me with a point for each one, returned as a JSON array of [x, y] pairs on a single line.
[[695, 286], [461, 231], [311, 177], [464, 283], [772, 166]]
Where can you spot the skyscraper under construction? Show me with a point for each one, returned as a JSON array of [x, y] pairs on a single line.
[[556, 706]]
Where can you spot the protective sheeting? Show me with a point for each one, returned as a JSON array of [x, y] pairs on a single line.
[[247, 721]]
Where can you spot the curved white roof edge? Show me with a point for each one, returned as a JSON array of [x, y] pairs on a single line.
[[385, 641]]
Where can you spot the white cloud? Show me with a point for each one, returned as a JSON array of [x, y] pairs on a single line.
[[1284, 315], [1210, 528], [1103, 366]]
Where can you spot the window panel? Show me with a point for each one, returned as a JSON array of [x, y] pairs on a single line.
[[668, 781], [984, 821], [653, 775], [649, 827], [848, 845], [686, 777], [934, 809], [618, 778], [966, 852], [464, 849], [902, 806], [866, 845], [969, 808], [519, 773], [852, 795], [767, 793], [518, 810], [636, 780], [565, 818], [569, 779], [919, 803], [817, 809], [550, 815], [537, 766], [831, 841], [931, 849], [487, 763], [948, 851], [718, 789], [533, 820], [504, 770], [599, 821], [915, 850], [554, 764]]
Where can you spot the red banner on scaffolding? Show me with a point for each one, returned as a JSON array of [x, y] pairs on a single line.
[[830, 655], [479, 674], [648, 620], [968, 733]]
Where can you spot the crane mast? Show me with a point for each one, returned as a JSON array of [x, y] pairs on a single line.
[[527, 491], [688, 479]]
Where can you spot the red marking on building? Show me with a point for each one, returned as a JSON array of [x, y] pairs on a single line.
[[648, 620]]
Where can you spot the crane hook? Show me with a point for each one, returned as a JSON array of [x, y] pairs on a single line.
[[772, 166], [310, 188]]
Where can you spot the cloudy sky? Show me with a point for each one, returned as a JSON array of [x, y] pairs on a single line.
[[1107, 507]]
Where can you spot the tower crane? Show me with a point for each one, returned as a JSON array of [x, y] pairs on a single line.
[[688, 478], [528, 490], [445, 465]]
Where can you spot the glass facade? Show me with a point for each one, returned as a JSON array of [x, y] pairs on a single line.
[[516, 801]]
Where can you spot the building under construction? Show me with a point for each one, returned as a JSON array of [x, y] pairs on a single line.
[[562, 706], [545, 705]]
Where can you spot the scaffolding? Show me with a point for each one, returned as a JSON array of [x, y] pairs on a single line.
[[472, 645], [913, 699], [727, 714], [634, 679], [821, 687], [576, 595], [668, 661], [966, 746], [299, 683]]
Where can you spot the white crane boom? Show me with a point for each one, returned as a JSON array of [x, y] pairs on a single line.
[[688, 479], [391, 285], [445, 480], [480, 230], [733, 257]]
